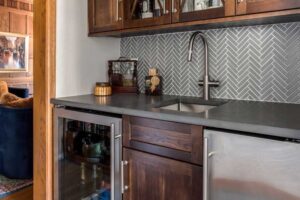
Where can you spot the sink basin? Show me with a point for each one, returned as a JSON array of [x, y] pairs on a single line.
[[186, 107]]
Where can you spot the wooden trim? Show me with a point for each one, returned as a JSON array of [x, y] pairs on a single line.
[[14, 10], [197, 138], [230, 8], [16, 80], [24, 194], [44, 89], [241, 8]]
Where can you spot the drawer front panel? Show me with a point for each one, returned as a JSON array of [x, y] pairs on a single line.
[[170, 139], [165, 138]]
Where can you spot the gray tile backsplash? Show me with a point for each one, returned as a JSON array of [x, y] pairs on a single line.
[[252, 63]]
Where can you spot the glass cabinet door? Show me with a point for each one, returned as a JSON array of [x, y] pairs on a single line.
[[258, 6], [105, 15], [87, 156], [85, 169], [198, 5], [142, 13], [192, 10]]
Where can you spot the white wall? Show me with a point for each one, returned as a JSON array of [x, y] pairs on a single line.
[[81, 60]]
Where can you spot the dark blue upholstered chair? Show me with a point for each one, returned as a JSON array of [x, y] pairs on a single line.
[[16, 139]]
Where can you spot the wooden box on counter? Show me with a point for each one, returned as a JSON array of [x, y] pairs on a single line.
[[122, 75]]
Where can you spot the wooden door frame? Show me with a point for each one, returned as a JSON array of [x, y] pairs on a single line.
[[44, 65]]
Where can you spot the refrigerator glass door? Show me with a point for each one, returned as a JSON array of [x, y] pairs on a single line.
[[243, 167], [87, 156]]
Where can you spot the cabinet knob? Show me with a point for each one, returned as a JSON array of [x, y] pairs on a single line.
[[167, 12], [174, 10], [120, 18], [240, 1], [126, 187]]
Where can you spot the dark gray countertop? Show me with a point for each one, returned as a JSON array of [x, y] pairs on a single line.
[[274, 119]]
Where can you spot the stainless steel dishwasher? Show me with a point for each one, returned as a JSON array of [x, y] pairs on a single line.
[[243, 167]]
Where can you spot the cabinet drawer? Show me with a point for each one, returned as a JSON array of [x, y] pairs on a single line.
[[174, 140]]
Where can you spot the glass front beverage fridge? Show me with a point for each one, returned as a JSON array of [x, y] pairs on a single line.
[[87, 155]]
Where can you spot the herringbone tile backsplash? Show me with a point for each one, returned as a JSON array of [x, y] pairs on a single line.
[[252, 63]]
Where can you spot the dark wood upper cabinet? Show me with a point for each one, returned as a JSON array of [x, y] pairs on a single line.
[[150, 177], [192, 10], [260, 6], [105, 15], [128, 17], [160, 13]]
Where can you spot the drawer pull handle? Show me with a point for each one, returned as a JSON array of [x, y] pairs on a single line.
[[123, 186]]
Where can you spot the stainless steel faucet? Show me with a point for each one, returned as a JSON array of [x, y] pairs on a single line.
[[206, 82]]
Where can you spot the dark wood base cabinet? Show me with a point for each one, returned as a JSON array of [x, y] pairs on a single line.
[[151, 177], [164, 159]]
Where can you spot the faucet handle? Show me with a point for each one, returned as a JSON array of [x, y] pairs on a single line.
[[214, 83], [211, 83]]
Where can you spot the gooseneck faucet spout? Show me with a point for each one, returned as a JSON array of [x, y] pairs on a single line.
[[206, 82]]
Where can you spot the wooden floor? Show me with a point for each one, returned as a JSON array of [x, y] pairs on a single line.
[[24, 194]]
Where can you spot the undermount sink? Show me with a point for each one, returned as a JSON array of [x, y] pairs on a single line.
[[186, 107]]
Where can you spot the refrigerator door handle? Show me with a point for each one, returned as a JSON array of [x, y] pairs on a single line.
[[112, 151], [205, 169], [113, 137]]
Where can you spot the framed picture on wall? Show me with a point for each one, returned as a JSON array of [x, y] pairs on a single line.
[[14, 51]]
